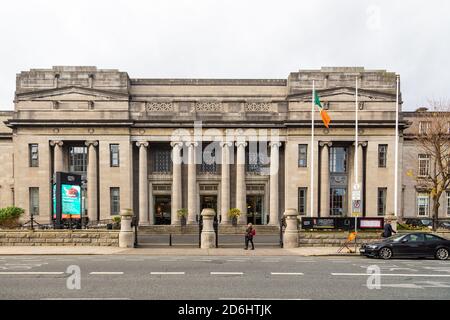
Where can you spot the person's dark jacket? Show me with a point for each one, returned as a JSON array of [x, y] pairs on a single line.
[[388, 231]]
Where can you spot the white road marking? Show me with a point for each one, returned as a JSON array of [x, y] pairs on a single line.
[[226, 273], [202, 260], [166, 273], [261, 299], [85, 299], [236, 260], [391, 274], [106, 272], [287, 273], [31, 273], [168, 260]]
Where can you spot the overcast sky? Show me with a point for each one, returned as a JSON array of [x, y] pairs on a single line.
[[230, 39]]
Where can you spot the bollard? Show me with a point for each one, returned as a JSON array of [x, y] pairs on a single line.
[[290, 239], [208, 236], [126, 234]]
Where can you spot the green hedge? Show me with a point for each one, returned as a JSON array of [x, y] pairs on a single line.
[[10, 215]]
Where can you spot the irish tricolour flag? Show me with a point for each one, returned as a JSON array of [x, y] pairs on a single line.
[[323, 113]]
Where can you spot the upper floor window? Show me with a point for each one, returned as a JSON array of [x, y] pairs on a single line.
[[382, 155], [257, 158], [33, 150], [162, 160], [424, 126], [77, 159], [338, 159], [424, 165], [208, 164], [114, 155], [303, 155]]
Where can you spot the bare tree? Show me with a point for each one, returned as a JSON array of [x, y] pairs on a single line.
[[432, 133]]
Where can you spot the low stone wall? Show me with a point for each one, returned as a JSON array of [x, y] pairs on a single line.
[[336, 239], [59, 238]]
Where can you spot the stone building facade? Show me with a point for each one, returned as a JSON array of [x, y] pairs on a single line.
[[159, 145]]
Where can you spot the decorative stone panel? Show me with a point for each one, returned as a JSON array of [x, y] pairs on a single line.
[[159, 106], [258, 107], [209, 106]]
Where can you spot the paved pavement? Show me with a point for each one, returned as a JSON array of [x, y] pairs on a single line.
[[178, 250], [219, 277]]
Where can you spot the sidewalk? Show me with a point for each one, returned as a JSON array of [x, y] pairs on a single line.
[[74, 250]]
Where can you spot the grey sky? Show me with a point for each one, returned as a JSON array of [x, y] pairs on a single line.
[[230, 39]]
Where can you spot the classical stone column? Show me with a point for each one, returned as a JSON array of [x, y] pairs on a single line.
[[176, 181], [274, 168], [143, 183], [58, 163], [92, 180], [241, 189], [192, 183], [325, 179], [225, 183]]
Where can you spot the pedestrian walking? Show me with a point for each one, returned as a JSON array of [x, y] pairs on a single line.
[[388, 230], [249, 234]]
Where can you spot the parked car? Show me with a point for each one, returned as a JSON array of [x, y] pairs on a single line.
[[417, 244]]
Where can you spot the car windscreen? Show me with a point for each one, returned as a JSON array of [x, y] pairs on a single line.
[[396, 238]]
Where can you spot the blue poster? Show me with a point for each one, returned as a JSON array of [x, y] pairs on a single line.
[[70, 200]]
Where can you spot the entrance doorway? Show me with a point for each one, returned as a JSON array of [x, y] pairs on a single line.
[[162, 209], [255, 209], [208, 201]]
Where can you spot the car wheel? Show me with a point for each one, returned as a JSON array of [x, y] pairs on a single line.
[[385, 253], [442, 254]]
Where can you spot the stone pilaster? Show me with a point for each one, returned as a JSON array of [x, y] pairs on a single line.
[[143, 184], [176, 181], [92, 183], [58, 159], [192, 183], [325, 179], [225, 183], [274, 174], [241, 188]]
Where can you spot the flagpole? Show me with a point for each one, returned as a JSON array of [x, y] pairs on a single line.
[[356, 150], [312, 151], [396, 148]]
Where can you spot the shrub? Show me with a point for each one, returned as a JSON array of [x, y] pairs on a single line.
[[9, 216], [234, 213], [182, 212]]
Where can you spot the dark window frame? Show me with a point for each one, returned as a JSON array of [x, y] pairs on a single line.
[[303, 198], [382, 205], [302, 156], [114, 201], [382, 155], [31, 191], [33, 162], [112, 152]]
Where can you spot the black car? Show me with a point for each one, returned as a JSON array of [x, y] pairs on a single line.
[[418, 244]]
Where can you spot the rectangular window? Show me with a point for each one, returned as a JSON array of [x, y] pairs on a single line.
[[338, 159], [424, 165], [114, 155], [33, 150], [302, 198], [382, 155], [162, 162], [337, 201], [424, 126], [423, 204], [448, 202], [381, 201], [208, 164], [34, 200], [115, 200], [303, 155], [78, 159]]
